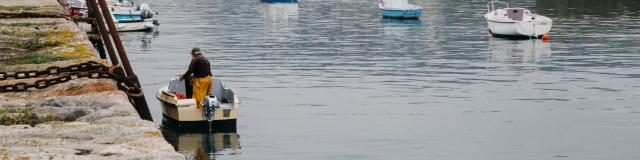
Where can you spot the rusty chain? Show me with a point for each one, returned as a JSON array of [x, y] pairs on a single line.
[[91, 69], [53, 70]]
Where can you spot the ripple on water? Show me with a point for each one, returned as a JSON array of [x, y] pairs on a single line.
[[320, 73]]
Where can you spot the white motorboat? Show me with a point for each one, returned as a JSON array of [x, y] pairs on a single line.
[[516, 22], [219, 110], [133, 17]]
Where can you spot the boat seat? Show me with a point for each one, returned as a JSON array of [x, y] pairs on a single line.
[[218, 88]]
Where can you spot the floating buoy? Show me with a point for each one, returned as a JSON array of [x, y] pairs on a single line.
[[545, 37]]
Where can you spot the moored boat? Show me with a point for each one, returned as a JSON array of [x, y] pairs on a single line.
[[219, 110], [279, 1], [518, 22], [399, 9], [133, 17], [126, 15]]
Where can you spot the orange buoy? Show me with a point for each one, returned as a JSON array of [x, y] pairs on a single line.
[[545, 37]]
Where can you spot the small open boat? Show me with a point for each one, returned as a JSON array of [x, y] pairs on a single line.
[[516, 22], [133, 17], [126, 15], [399, 9], [219, 110]]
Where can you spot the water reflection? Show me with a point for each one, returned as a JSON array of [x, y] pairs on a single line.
[[399, 30], [337, 64], [279, 16], [201, 146], [588, 7], [514, 51], [144, 38], [395, 22]]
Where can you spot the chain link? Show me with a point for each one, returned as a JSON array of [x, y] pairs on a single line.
[[91, 69], [53, 70]]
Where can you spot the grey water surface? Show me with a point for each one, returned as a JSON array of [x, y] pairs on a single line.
[[331, 79]]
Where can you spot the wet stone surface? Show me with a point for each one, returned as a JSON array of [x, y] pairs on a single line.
[[98, 124], [79, 119]]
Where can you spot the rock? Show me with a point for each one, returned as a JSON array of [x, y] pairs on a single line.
[[112, 131], [102, 125], [13, 103], [69, 108], [30, 8], [79, 87]]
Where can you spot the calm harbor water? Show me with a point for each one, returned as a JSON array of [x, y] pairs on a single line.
[[331, 79]]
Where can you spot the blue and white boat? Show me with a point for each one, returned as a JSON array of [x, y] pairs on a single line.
[[279, 1], [127, 16], [399, 9], [133, 17]]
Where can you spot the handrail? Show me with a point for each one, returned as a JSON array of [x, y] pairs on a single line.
[[493, 7]]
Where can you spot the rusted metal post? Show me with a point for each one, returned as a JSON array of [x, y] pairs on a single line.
[[97, 42], [118, 44], [131, 80], [93, 11]]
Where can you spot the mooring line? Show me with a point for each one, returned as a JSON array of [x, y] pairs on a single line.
[[156, 83]]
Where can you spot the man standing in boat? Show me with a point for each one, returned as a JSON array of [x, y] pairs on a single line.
[[201, 70]]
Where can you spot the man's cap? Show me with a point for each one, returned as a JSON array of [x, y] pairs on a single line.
[[194, 50]]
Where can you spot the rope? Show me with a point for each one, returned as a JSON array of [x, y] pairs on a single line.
[[156, 83]]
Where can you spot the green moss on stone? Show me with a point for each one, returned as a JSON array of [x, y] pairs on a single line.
[[23, 115], [31, 11], [35, 58], [32, 25], [33, 44], [16, 8]]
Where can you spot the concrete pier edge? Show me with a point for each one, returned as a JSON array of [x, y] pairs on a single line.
[[79, 119]]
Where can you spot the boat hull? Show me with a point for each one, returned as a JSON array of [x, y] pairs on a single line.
[[194, 121], [279, 1], [127, 16], [392, 13], [524, 28], [126, 26], [184, 113], [189, 113], [200, 126], [141, 25]]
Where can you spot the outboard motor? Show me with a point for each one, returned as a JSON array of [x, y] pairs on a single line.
[[146, 14], [155, 22], [145, 11], [210, 103]]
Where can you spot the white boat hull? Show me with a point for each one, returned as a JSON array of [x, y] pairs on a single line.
[[184, 110], [135, 26], [124, 27], [530, 28]]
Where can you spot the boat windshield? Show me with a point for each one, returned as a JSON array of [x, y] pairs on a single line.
[[491, 5]]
